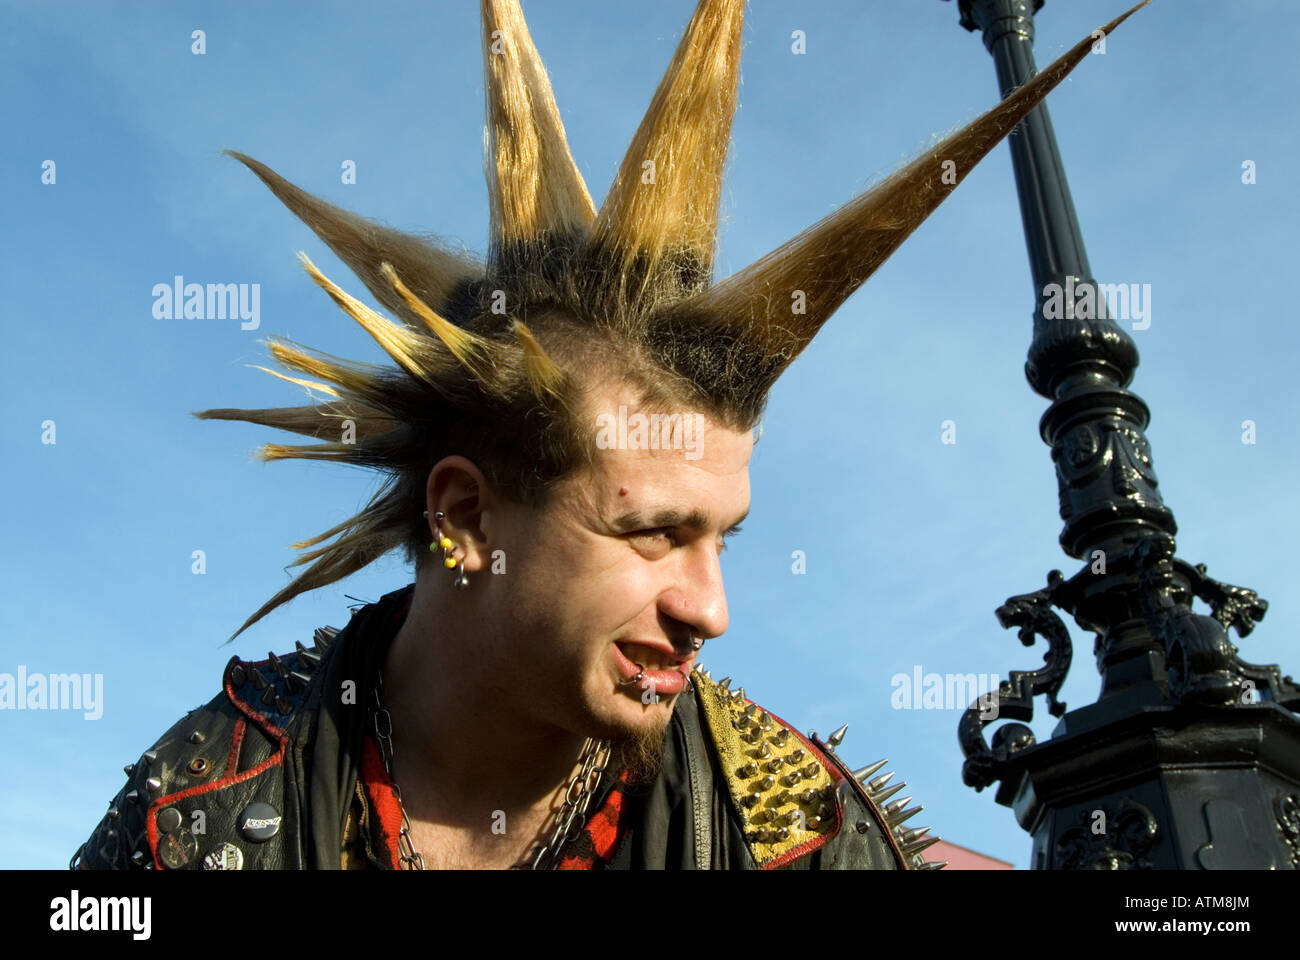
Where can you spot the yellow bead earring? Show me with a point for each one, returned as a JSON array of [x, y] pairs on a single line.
[[446, 545]]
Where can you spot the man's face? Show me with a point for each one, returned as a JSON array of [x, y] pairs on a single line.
[[619, 570]]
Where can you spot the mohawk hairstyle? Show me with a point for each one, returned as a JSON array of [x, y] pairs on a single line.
[[623, 291]]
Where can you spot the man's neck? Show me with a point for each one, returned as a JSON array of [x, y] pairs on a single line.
[[460, 755]]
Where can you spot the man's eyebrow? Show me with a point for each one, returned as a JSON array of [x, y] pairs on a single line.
[[694, 520]]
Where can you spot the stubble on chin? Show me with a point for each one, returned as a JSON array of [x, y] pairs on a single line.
[[642, 753]]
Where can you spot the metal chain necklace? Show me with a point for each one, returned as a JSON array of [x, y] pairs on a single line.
[[569, 820]]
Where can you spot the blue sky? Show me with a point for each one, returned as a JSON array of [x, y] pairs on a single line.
[[911, 543]]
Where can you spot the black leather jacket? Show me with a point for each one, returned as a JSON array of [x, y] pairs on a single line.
[[262, 777]]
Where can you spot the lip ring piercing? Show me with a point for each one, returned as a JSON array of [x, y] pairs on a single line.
[[637, 679]]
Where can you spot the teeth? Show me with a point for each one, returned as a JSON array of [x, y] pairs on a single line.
[[651, 659]]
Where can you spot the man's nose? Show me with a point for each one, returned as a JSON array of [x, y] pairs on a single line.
[[699, 600]]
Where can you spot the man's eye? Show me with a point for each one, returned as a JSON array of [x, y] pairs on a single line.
[[659, 533], [727, 535]]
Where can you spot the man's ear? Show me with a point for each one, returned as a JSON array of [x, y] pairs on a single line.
[[458, 488]]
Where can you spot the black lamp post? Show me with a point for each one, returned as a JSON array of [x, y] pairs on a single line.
[[1190, 757]]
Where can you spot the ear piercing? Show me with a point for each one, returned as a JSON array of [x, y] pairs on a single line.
[[446, 545]]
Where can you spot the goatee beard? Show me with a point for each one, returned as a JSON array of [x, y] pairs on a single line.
[[642, 755]]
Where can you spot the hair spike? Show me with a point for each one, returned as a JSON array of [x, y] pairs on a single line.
[[398, 342], [654, 232], [464, 346], [313, 421], [534, 186], [831, 259], [545, 376], [309, 384], [355, 378], [440, 276], [320, 537], [319, 451], [375, 531]]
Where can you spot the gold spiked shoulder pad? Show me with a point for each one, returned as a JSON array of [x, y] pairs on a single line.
[[791, 790], [780, 783]]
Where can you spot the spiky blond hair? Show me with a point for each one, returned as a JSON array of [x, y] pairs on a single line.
[[623, 291]]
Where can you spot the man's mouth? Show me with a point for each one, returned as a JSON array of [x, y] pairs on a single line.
[[649, 671], [652, 658]]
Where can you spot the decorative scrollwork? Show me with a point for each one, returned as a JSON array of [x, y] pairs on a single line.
[[1286, 807], [1242, 608], [1203, 663], [1109, 838], [1014, 699], [1199, 658], [1232, 606]]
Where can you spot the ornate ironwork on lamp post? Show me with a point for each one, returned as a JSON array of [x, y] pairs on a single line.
[[1190, 757]]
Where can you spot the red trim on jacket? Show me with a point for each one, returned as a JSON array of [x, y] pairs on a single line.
[[229, 775]]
